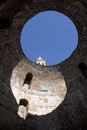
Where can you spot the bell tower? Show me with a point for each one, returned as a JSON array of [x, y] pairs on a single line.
[[41, 61]]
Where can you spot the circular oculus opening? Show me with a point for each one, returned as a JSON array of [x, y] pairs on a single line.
[[51, 35]]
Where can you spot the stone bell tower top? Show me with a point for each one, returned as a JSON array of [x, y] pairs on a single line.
[[40, 61]]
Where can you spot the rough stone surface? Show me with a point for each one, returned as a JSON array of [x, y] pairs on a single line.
[[64, 78]]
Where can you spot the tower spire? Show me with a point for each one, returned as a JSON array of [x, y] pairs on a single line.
[[40, 61]]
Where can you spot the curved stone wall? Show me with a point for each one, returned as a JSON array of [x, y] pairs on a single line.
[[68, 80]]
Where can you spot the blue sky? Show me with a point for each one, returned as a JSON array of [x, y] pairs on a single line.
[[51, 35]]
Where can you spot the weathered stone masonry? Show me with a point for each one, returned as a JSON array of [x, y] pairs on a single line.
[[66, 82]]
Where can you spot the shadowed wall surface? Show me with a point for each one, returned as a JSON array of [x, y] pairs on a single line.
[[71, 114]]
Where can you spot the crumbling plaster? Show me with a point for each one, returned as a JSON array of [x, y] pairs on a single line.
[[71, 114]]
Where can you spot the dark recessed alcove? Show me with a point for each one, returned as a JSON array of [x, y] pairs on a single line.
[[5, 23], [83, 68], [28, 78], [23, 102]]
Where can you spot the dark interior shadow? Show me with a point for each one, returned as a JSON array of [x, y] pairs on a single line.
[[5, 23], [71, 114], [9, 58]]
